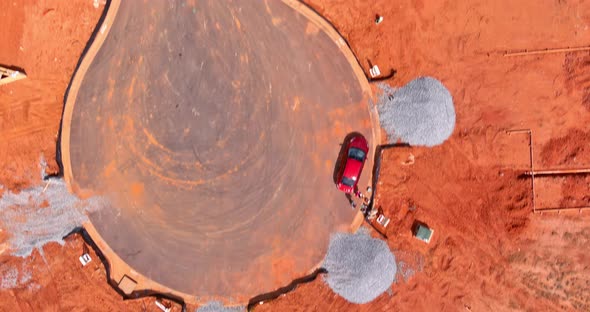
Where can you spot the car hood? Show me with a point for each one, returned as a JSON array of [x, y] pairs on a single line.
[[360, 143]]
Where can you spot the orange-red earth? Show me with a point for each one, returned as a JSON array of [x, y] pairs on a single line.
[[488, 251]]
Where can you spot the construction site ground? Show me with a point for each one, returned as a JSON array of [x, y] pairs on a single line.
[[488, 252], [217, 171]]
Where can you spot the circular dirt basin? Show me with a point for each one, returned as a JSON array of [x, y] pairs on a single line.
[[214, 128]]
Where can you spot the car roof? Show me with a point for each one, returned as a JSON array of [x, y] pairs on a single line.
[[352, 168]]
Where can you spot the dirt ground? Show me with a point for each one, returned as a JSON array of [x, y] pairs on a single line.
[[57, 281], [46, 40], [488, 251]]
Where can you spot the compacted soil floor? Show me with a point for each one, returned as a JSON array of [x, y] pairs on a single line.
[[488, 252]]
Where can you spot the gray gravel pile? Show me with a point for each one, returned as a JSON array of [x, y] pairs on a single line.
[[216, 306], [360, 267], [43, 214], [420, 113]]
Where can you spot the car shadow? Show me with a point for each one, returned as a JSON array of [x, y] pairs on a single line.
[[349, 197], [14, 67]]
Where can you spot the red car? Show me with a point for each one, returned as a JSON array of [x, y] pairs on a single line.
[[352, 164]]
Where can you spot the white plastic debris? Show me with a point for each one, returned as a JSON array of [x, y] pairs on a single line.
[[162, 306], [383, 220], [374, 71], [85, 259]]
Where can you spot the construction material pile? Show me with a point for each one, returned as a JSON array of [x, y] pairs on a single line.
[[216, 306], [360, 267], [420, 113], [43, 214]]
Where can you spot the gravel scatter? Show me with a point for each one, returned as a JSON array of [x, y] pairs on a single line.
[[360, 267], [43, 214], [9, 278], [25, 277], [420, 113], [405, 270], [216, 306]]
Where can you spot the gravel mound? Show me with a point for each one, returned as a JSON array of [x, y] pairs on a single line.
[[420, 113], [360, 267], [216, 306]]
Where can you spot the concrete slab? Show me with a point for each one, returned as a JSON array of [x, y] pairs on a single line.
[[127, 285], [214, 129]]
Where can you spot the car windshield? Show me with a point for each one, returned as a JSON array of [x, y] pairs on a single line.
[[357, 154], [347, 181]]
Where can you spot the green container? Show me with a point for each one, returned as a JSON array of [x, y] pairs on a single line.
[[423, 232]]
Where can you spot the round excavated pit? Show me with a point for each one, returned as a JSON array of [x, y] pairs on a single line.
[[213, 128]]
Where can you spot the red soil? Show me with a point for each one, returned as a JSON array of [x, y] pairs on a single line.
[[46, 40], [488, 251], [59, 282], [577, 75], [571, 150], [575, 192]]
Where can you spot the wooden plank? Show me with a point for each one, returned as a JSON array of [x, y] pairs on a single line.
[[8, 75], [562, 209], [557, 171], [547, 51]]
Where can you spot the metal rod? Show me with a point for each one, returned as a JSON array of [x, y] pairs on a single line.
[[532, 169], [546, 51], [539, 210], [557, 171], [518, 131], [530, 133], [533, 173]]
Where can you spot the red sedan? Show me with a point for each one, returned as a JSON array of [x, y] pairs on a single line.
[[352, 164]]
